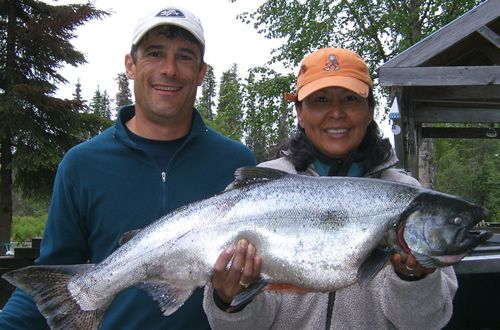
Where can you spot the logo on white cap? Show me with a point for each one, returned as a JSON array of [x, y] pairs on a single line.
[[170, 13]]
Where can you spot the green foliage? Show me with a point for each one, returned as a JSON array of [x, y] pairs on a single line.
[[24, 228], [124, 96], [470, 169], [269, 118], [101, 104], [206, 103], [80, 103], [378, 30], [229, 116], [29, 217]]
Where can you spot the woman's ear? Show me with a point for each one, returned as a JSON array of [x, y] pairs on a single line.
[[372, 112], [298, 112]]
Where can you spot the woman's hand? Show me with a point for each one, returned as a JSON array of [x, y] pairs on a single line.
[[409, 266], [244, 269]]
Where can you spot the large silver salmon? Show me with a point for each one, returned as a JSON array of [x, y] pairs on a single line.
[[316, 233]]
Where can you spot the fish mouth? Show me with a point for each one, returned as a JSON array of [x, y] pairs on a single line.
[[468, 243], [476, 237]]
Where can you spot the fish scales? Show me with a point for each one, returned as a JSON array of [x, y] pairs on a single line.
[[272, 217]]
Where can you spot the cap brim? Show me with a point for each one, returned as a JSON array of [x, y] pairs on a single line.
[[352, 84]]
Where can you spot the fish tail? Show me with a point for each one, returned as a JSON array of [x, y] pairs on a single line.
[[48, 286]]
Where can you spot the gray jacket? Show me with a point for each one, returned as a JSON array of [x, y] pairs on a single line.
[[388, 302]]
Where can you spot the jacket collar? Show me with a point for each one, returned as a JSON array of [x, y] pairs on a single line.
[[127, 112]]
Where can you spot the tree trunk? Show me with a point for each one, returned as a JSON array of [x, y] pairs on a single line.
[[5, 192], [6, 139]]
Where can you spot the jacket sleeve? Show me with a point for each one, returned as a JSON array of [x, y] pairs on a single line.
[[423, 304], [271, 310], [63, 243], [263, 306]]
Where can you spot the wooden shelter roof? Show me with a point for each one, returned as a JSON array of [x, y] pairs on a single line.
[[451, 76]]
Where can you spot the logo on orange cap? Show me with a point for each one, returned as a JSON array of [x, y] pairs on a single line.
[[333, 63]]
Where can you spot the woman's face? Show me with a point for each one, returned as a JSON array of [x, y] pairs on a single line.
[[335, 120]]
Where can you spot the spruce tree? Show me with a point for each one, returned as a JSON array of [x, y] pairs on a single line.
[[36, 128], [81, 104], [229, 108], [124, 96], [206, 103]]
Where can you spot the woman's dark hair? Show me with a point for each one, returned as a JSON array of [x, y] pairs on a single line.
[[171, 32], [373, 150]]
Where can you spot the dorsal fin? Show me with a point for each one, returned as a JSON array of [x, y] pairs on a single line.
[[127, 236], [249, 175]]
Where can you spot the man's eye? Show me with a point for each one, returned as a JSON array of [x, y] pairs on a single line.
[[154, 54], [185, 58]]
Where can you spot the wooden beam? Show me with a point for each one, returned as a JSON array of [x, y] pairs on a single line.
[[489, 35], [456, 93], [434, 114], [456, 103], [440, 76], [457, 133]]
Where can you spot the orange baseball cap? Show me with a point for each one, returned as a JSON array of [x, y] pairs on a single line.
[[332, 67]]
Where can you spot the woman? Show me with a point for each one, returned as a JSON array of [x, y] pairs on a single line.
[[337, 136]]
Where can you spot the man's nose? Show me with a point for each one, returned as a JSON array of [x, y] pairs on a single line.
[[169, 67]]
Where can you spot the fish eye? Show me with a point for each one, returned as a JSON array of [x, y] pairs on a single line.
[[457, 221]]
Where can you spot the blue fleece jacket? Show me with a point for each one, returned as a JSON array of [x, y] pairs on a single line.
[[107, 186]]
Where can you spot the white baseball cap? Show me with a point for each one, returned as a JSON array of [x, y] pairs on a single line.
[[169, 15]]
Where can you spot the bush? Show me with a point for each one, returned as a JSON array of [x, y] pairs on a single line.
[[24, 228]]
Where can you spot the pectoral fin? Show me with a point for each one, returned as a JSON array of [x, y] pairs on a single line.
[[373, 264], [170, 298], [245, 296]]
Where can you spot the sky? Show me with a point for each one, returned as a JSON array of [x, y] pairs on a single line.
[[105, 42]]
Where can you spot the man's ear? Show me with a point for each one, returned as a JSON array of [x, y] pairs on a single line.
[[201, 75], [129, 66]]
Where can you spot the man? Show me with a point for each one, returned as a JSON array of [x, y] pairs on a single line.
[[158, 157]]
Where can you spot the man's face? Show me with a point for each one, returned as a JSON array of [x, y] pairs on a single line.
[[166, 74]]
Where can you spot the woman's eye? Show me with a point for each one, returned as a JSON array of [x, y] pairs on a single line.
[[321, 99], [351, 98]]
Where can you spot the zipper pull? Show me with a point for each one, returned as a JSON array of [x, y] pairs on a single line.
[[163, 176]]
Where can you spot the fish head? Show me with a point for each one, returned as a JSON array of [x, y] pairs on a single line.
[[437, 229]]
